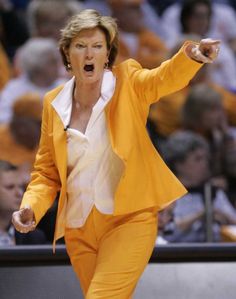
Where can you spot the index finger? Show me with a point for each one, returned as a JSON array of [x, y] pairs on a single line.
[[211, 41]]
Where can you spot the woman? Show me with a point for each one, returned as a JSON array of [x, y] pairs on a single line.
[[94, 149], [199, 215]]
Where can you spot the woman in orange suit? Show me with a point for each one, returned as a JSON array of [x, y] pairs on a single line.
[[95, 150]]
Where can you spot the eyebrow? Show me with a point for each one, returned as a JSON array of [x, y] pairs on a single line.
[[82, 41]]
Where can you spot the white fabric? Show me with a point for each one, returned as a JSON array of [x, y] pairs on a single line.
[[16, 88], [151, 20], [131, 40], [94, 170], [223, 27], [223, 23]]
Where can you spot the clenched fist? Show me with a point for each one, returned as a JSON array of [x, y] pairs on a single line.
[[24, 220]]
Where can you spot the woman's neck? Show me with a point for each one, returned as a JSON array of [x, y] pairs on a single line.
[[86, 95]]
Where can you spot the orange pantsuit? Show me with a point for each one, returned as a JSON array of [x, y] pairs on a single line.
[[146, 183], [109, 253]]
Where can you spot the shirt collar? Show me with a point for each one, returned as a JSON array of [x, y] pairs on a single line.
[[63, 101]]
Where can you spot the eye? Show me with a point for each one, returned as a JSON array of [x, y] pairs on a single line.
[[98, 46], [80, 46], [9, 187]]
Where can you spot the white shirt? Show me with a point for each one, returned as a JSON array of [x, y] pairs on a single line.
[[94, 170], [223, 27], [16, 88]]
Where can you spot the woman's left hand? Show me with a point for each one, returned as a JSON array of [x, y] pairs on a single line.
[[206, 51]]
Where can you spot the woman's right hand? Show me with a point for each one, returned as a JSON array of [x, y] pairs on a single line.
[[24, 220]]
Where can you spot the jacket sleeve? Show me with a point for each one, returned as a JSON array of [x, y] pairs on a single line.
[[171, 76], [45, 182]]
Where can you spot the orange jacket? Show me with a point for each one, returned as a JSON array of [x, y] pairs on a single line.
[[146, 181]]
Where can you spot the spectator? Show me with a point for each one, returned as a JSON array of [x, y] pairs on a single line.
[[38, 60], [203, 113], [165, 224], [222, 25], [19, 138], [197, 17], [150, 18], [165, 116], [198, 215], [44, 23], [136, 41], [11, 191]]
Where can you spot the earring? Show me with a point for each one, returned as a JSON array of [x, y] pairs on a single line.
[[106, 65], [68, 66]]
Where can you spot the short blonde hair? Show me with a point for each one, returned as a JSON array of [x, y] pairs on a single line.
[[88, 19]]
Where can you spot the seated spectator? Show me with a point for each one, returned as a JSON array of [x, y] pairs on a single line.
[[38, 61], [19, 138], [196, 17], [222, 25], [151, 20], [165, 115], [203, 113], [11, 192], [136, 40], [165, 224], [197, 216], [44, 23], [229, 160]]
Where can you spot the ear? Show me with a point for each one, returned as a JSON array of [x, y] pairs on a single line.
[[66, 52]]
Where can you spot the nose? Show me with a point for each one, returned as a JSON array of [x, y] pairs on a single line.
[[89, 53]]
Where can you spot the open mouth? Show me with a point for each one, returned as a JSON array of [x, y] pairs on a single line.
[[89, 67]]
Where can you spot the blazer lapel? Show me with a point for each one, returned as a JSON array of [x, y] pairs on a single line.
[[60, 146]]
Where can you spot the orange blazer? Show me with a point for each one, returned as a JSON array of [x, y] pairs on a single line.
[[146, 181]]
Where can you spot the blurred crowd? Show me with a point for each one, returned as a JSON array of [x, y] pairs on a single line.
[[194, 129]]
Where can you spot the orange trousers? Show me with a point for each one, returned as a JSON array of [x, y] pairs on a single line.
[[109, 253]]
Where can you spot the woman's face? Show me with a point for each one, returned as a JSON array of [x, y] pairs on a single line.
[[87, 55], [198, 22]]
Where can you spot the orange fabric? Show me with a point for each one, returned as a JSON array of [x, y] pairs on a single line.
[[110, 253], [12, 151], [28, 105], [151, 50], [5, 73], [166, 114], [147, 181]]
